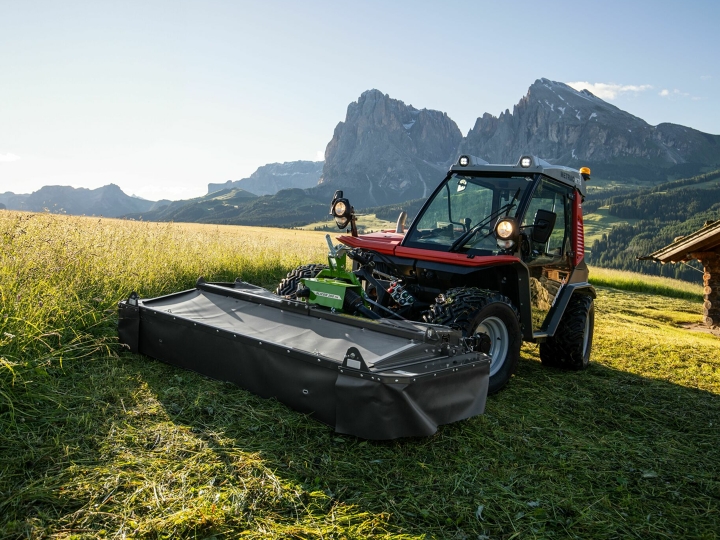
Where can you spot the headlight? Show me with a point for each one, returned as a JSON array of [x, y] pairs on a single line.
[[339, 209], [505, 229]]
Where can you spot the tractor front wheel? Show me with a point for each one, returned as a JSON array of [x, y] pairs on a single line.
[[473, 311], [288, 286], [570, 347]]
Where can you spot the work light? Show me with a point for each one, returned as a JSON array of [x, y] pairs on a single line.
[[341, 210]]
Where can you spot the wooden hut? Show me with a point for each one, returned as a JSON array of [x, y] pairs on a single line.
[[703, 245]]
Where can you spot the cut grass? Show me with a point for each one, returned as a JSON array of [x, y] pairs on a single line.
[[96, 442]]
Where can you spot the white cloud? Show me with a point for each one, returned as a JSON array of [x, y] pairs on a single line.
[[705, 77], [675, 93], [319, 155], [609, 90], [9, 157]]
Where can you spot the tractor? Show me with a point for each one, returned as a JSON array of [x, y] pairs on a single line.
[[496, 252]]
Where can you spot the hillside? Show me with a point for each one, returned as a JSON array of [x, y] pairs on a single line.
[[287, 208], [97, 442], [652, 218]]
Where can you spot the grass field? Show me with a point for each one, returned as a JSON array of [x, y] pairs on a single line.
[[99, 443], [600, 222], [365, 223]]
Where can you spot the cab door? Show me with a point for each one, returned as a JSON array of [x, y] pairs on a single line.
[[549, 262]]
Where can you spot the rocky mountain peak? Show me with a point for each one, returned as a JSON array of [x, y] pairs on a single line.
[[564, 125], [386, 151]]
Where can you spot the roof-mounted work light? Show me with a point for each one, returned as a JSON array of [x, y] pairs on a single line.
[[464, 161], [526, 161]]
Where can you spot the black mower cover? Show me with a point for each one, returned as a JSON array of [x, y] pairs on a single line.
[[372, 379]]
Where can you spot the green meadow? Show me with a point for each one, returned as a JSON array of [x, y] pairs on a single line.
[[96, 442]]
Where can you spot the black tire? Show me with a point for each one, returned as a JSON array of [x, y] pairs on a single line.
[[473, 310], [571, 345], [288, 286]]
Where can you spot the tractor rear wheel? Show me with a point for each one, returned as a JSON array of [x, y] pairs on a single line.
[[571, 345], [473, 311], [288, 286]]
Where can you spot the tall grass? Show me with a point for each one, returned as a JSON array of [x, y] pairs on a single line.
[[632, 281], [96, 442]]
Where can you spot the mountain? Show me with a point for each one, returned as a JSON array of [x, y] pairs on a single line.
[[386, 151], [271, 178], [286, 208], [108, 201], [576, 128]]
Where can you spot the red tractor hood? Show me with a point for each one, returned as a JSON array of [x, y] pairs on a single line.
[[388, 243]]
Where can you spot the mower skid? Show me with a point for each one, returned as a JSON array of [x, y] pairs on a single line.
[[375, 379]]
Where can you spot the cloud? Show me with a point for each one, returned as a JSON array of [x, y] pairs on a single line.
[[675, 93], [319, 155], [705, 77], [8, 157], [609, 90]]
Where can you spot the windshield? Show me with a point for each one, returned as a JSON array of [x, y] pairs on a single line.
[[467, 206]]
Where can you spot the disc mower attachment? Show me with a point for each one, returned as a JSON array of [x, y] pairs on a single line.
[[375, 379]]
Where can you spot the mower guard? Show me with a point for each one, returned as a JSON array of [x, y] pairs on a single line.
[[375, 379]]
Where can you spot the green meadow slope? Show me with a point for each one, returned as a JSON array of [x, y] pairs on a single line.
[[96, 442]]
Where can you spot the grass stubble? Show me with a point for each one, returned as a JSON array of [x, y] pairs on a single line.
[[97, 442]]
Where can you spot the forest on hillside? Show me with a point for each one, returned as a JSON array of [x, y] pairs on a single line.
[[666, 212]]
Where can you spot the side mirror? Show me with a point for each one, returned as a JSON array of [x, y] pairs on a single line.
[[543, 226]]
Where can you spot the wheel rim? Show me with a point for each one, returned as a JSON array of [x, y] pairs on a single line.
[[499, 341]]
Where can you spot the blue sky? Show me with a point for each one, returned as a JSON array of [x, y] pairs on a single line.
[[162, 97]]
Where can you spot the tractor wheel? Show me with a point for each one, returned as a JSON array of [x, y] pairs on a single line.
[[570, 347], [473, 310], [288, 286]]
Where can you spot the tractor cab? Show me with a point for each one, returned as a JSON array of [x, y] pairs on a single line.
[[525, 210]]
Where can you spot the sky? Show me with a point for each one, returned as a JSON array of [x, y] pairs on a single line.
[[164, 97]]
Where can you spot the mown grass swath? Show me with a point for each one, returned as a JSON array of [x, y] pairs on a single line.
[[96, 442]]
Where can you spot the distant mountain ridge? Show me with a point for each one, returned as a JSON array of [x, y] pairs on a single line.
[[273, 177], [108, 201]]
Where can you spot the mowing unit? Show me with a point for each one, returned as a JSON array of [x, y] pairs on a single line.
[[400, 331]]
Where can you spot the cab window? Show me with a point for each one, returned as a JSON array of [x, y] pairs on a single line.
[[555, 198]]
